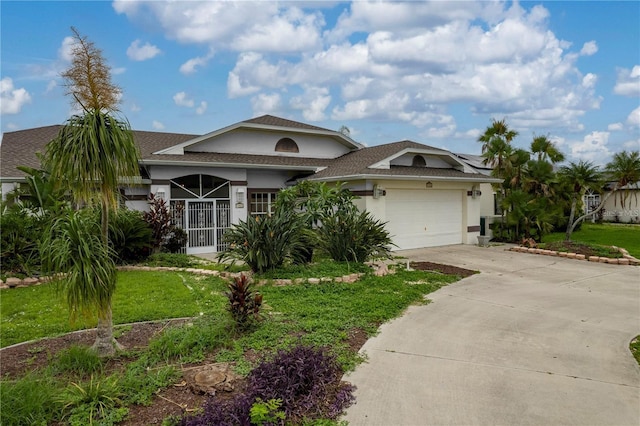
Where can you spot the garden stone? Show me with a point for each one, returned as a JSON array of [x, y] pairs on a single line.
[[594, 258], [299, 281], [326, 279], [208, 379], [571, 255], [612, 261], [623, 261], [30, 281], [553, 253], [338, 279], [313, 280], [580, 256], [13, 281], [604, 260]]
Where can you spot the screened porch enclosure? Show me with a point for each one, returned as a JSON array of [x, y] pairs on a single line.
[[201, 205]]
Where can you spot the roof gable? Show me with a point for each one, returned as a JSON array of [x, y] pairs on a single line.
[[265, 123]]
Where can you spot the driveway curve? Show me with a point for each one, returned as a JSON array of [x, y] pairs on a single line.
[[531, 340]]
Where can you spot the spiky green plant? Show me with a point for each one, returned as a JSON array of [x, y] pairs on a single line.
[[266, 242], [354, 236]]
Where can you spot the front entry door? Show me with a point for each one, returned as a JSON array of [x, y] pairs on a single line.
[[204, 222]]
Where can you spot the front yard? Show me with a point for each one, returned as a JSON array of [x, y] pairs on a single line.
[[620, 235], [338, 316]]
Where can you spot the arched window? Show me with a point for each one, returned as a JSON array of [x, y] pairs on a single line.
[[287, 145], [199, 186], [418, 161]]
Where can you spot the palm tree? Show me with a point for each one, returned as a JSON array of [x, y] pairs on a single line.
[[499, 129], [92, 154], [74, 247], [546, 150], [580, 176], [624, 170]]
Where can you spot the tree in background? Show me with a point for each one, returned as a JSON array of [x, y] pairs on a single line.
[[622, 170], [93, 152]]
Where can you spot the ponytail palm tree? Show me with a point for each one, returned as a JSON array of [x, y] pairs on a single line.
[[73, 248], [93, 154]]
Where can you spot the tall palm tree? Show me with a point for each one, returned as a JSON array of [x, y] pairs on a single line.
[[499, 129], [580, 176], [94, 153], [546, 150]]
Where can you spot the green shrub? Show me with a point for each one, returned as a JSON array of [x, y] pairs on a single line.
[[97, 400], [79, 360], [190, 342], [176, 260], [32, 400], [130, 236], [176, 240], [20, 232], [266, 242], [350, 235]]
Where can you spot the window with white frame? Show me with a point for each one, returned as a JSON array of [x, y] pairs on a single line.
[[261, 203]]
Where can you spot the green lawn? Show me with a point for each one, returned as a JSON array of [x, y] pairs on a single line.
[[625, 236], [33, 312]]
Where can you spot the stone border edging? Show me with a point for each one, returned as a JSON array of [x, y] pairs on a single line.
[[13, 282], [626, 259]]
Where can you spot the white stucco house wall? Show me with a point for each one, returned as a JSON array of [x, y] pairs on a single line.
[[427, 196]]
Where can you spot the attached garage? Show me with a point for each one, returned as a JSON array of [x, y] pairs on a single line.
[[424, 218]]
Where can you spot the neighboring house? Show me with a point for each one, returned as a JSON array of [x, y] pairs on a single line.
[[427, 196], [613, 210]]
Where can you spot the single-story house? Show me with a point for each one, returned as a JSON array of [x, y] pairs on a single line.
[[428, 196], [622, 206]]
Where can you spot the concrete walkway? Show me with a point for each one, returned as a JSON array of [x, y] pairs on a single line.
[[532, 340]]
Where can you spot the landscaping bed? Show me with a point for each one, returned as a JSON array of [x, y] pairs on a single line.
[[582, 248]]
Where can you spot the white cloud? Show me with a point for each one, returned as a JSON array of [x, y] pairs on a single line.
[[615, 127], [12, 126], [135, 108], [65, 52], [589, 48], [390, 60], [118, 70], [628, 82], [136, 52], [11, 99], [181, 99], [157, 125], [266, 104], [50, 86], [633, 145], [272, 27], [192, 64], [634, 118], [312, 103], [594, 147], [201, 108]]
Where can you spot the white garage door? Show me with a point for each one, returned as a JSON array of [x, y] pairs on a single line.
[[424, 218]]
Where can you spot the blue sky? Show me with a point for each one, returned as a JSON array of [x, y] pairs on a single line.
[[432, 72]]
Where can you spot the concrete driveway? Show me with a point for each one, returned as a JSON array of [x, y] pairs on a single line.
[[531, 340]]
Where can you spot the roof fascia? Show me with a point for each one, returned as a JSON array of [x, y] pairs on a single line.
[[179, 148], [315, 169], [480, 179]]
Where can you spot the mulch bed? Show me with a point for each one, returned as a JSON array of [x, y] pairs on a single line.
[[444, 269]]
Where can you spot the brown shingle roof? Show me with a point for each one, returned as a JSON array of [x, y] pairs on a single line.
[[270, 120], [357, 163], [19, 148]]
